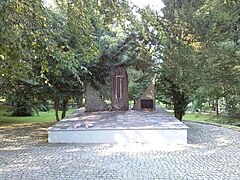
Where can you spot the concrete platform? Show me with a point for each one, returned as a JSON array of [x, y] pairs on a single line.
[[119, 127]]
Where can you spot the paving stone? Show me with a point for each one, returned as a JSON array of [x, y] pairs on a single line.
[[211, 153]]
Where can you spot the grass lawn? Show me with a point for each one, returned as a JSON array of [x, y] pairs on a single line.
[[6, 118], [208, 118]]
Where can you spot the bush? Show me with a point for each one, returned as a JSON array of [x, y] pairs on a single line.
[[22, 109], [232, 106], [45, 106], [24, 99]]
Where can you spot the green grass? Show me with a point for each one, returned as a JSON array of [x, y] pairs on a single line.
[[49, 116], [207, 118]]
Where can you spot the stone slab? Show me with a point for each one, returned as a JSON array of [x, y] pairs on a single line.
[[135, 126], [147, 136], [93, 100]]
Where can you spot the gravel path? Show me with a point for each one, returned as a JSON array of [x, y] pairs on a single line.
[[212, 153]]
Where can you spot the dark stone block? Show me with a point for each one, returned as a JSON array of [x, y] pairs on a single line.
[[119, 88]]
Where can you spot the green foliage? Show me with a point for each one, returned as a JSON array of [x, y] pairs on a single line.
[[200, 54], [208, 118], [138, 83], [25, 98], [45, 106], [49, 53], [233, 106], [6, 118], [180, 72], [52, 50], [220, 46]]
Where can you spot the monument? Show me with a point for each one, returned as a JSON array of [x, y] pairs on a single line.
[[93, 100], [147, 100], [119, 88], [119, 126]]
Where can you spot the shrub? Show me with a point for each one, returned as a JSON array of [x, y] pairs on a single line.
[[232, 106]]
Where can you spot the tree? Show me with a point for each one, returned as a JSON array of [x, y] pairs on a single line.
[[200, 51], [54, 49], [180, 72], [217, 25], [37, 50], [24, 38], [51, 52]]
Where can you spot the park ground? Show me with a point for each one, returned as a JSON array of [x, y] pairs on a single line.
[[212, 152]]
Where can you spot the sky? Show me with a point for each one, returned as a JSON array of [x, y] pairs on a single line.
[[155, 4]]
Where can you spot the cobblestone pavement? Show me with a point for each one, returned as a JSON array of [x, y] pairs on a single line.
[[212, 153]]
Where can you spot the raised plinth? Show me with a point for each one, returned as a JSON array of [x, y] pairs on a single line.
[[120, 127]]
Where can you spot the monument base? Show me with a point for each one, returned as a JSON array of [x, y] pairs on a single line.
[[146, 127], [147, 136]]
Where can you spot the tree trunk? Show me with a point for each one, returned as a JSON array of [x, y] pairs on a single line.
[[180, 100], [213, 105], [79, 101], [216, 105], [64, 107], [56, 106], [209, 104], [180, 104]]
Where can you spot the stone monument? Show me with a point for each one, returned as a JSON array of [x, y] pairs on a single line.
[[147, 100], [93, 100], [119, 88]]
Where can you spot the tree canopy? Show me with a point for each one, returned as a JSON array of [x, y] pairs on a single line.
[[50, 52]]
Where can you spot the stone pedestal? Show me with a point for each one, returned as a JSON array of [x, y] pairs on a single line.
[[119, 88], [118, 127]]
